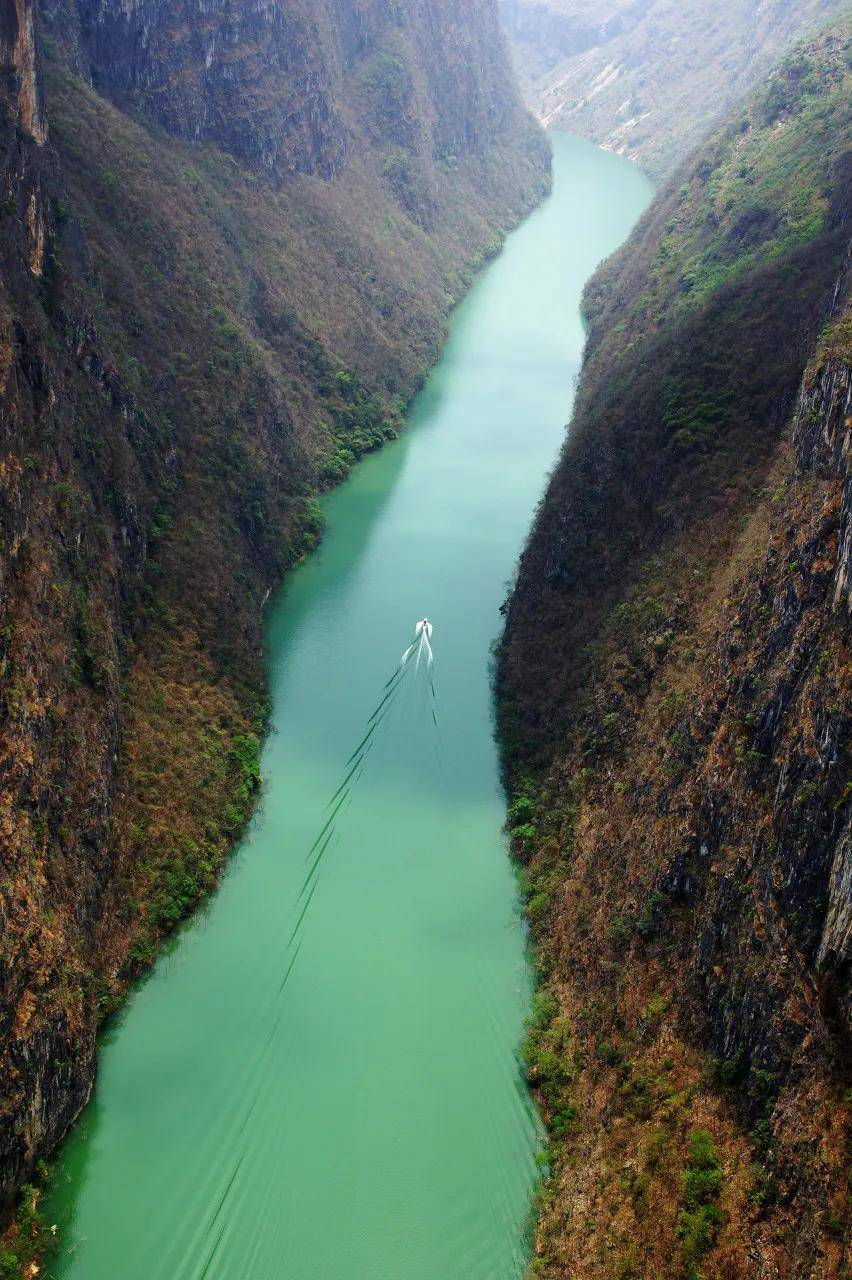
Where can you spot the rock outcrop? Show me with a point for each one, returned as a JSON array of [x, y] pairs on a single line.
[[277, 84], [20, 59]]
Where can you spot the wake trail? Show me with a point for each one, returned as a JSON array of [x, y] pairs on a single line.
[[328, 824], [315, 864], [226, 1192], [355, 767], [208, 1264], [304, 912], [290, 968]]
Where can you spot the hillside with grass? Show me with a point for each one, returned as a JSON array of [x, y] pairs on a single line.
[[648, 78], [203, 324], [674, 689]]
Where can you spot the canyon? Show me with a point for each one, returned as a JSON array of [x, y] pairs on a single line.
[[648, 78], [233, 235], [204, 323]]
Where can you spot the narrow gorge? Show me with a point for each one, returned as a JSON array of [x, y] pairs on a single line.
[[330, 1049], [529, 954]]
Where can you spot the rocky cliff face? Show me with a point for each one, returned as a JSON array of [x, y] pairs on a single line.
[[675, 698], [53, 1097], [276, 84], [20, 60], [256, 78], [192, 342], [647, 78], [546, 34]]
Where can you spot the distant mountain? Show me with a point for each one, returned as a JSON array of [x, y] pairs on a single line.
[[648, 77]]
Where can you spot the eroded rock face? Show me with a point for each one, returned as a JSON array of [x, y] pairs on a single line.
[[256, 77], [824, 447], [275, 82], [18, 53], [46, 1065], [550, 34], [781, 669], [698, 853]]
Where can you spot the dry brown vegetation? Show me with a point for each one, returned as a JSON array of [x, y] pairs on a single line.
[[204, 348], [676, 699], [678, 868]]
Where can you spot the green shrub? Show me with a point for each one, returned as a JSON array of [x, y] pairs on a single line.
[[562, 1122], [30, 1227], [619, 931], [308, 529], [523, 837], [700, 1217], [245, 754], [10, 1267], [386, 80], [609, 1054], [701, 1185], [537, 906], [655, 1009], [140, 956], [545, 1008], [764, 1190], [697, 1231], [521, 812], [648, 919]]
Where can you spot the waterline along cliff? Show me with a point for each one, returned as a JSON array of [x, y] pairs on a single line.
[[231, 236], [674, 700]]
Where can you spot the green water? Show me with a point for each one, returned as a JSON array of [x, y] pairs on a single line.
[[366, 1120]]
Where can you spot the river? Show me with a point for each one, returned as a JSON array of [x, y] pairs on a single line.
[[349, 1106]]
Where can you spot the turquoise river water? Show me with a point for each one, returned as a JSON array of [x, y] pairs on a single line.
[[348, 1105]]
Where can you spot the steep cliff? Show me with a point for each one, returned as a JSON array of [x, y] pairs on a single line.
[[648, 78], [194, 338], [675, 699], [288, 88]]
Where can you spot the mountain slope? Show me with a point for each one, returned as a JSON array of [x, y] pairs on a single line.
[[649, 77], [674, 685], [195, 339]]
